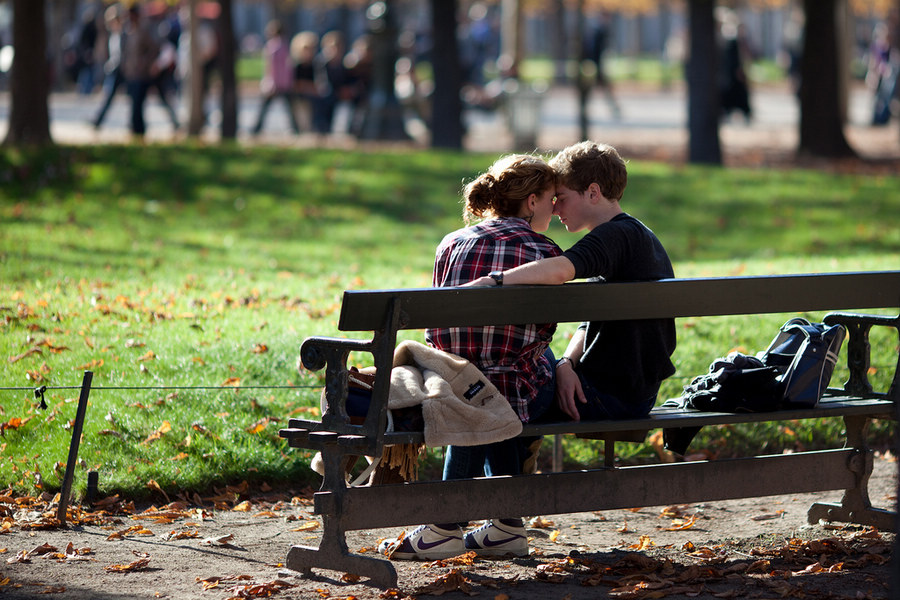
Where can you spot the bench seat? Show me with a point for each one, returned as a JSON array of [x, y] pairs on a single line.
[[836, 405]]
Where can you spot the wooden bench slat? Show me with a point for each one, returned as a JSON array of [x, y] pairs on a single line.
[[660, 418], [573, 302]]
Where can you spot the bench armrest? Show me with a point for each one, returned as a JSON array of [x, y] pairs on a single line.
[[859, 351]]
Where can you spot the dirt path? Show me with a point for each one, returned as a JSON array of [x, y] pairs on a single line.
[[735, 549]]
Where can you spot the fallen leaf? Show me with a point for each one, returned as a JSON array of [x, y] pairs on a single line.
[[768, 516], [222, 540], [26, 354], [541, 523], [138, 565], [181, 535], [259, 426], [682, 524], [454, 581], [149, 355]]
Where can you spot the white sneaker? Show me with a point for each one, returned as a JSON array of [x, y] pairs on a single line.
[[426, 542], [496, 538]]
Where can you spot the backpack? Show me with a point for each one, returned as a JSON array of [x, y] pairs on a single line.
[[805, 355], [793, 372]]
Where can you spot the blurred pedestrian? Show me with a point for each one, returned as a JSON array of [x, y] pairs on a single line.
[[278, 79], [882, 72], [86, 48], [596, 43], [332, 79], [734, 86], [359, 65], [112, 68], [139, 64], [304, 47], [168, 31]]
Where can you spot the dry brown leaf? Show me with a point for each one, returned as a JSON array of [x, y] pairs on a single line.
[[259, 590], [26, 354], [643, 543], [541, 523], [682, 524], [147, 356], [768, 516], [454, 581], [222, 540], [97, 362], [138, 565], [181, 535], [260, 425]]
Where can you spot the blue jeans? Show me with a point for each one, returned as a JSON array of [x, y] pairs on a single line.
[[500, 458]]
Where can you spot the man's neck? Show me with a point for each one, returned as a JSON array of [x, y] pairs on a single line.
[[606, 213]]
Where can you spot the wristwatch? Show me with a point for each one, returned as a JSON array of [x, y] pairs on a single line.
[[564, 359], [497, 276]]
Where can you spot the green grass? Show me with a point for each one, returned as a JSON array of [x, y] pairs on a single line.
[[192, 267]]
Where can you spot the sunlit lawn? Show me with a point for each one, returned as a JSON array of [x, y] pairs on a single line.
[[186, 277]]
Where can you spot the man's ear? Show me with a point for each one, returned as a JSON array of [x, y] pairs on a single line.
[[595, 195]]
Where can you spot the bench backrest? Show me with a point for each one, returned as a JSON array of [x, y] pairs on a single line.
[[385, 312], [447, 307]]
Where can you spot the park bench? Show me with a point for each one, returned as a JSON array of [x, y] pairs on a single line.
[[384, 313]]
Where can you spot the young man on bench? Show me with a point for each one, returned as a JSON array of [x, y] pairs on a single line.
[[610, 370]]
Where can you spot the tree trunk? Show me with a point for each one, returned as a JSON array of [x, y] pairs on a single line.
[[383, 115], [560, 51], [29, 116], [582, 83], [703, 89], [446, 119], [227, 71], [511, 42], [821, 113], [196, 113]]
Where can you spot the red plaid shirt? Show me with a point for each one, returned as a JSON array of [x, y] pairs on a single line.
[[511, 356]]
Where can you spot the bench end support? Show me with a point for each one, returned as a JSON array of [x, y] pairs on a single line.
[[302, 559]]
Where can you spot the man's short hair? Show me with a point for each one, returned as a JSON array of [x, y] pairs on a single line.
[[580, 165]]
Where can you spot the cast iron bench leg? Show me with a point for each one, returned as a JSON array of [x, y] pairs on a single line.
[[333, 554], [855, 506]]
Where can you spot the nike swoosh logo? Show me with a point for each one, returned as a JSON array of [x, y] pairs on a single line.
[[488, 542], [423, 545]]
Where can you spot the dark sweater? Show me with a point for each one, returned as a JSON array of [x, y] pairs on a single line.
[[627, 359]]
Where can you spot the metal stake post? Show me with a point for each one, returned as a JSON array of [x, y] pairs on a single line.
[[73, 447]]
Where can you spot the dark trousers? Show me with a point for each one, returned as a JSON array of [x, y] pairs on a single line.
[[137, 90], [111, 84], [288, 98]]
